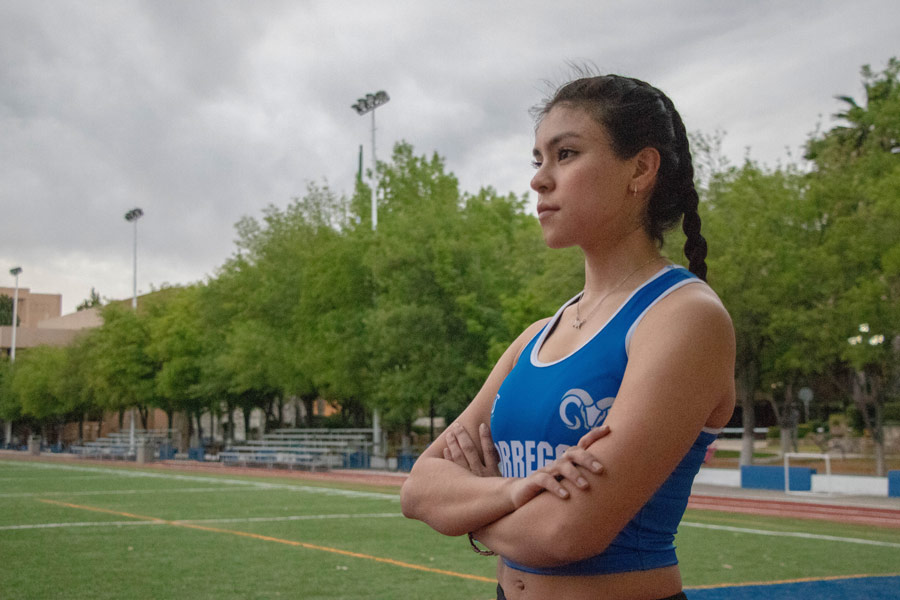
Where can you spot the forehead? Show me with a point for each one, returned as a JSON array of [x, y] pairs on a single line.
[[568, 122]]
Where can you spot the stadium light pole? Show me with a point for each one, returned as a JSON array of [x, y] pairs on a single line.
[[363, 106], [12, 348], [132, 216], [7, 437]]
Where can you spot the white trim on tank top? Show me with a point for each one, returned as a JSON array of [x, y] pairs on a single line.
[[535, 361]]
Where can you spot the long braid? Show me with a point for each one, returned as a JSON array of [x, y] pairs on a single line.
[[695, 247]]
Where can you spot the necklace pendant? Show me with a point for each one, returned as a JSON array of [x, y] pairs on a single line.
[[577, 323]]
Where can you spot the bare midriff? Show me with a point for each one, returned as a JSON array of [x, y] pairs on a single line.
[[634, 585]]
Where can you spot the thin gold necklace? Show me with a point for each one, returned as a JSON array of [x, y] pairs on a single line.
[[578, 322]]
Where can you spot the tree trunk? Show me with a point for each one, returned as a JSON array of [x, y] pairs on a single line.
[[748, 414], [866, 393], [197, 416], [878, 438], [308, 402], [230, 408], [246, 410]]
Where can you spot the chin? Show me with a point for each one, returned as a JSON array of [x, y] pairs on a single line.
[[555, 241]]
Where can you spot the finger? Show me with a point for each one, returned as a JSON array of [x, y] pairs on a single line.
[[549, 482], [491, 458], [469, 450], [583, 458], [568, 470], [456, 454], [593, 435]]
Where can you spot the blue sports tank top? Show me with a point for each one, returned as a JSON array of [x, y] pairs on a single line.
[[542, 409]]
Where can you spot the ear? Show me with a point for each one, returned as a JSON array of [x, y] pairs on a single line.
[[646, 166]]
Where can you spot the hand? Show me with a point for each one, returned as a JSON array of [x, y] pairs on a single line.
[[461, 450], [567, 467]]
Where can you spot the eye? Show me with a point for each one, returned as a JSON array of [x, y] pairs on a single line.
[[536, 164], [565, 153]]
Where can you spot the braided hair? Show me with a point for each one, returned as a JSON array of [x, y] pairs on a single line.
[[636, 115]]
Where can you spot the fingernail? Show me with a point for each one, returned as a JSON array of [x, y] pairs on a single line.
[[596, 466], [582, 482], [563, 493]]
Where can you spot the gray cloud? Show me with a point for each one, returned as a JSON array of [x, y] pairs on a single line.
[[201, 112]]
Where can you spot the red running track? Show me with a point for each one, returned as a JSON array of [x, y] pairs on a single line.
[[860, 515]]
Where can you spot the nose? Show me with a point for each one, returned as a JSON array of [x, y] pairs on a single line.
[[541, 182]]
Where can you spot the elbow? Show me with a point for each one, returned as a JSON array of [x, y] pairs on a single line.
[[409, 504], [415, 505]]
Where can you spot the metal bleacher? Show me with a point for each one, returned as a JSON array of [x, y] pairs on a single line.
[[310, 449], [118, 445]]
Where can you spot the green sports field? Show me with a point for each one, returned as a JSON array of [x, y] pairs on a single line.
[[86, 531]]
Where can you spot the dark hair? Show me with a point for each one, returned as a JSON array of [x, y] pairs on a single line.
[[636, 115]]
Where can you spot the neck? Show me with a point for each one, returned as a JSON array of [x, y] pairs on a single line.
[[605, 268]]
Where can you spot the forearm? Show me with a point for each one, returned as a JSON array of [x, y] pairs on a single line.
[[451, 500], [533, 535]]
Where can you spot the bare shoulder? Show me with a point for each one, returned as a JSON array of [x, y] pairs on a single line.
[[695, 309], [687, 339], [526, 336]]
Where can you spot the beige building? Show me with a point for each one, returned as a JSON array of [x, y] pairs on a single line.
[[41, 322]]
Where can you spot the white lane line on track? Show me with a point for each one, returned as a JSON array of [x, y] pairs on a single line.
[[202, 521], [793, 534], [218, 480]]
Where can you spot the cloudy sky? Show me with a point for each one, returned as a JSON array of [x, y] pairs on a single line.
[[203, 111]]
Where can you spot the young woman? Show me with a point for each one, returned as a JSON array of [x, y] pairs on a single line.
[[646, 351]]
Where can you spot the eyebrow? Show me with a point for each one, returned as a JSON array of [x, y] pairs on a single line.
[[556, 139]]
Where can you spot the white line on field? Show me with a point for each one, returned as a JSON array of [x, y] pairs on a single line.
[[66, 477], [202, 521], [217, 480], [794, 534], [126, 492]]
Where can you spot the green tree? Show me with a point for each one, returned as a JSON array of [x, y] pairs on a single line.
[[92, 301], [122, 371], [446, 266], [37, 384], [856, 177], [6, 311]]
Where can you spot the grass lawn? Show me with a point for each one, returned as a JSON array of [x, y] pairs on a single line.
[[73, 531]]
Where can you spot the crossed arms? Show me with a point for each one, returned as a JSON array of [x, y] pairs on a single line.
[[679, 378]]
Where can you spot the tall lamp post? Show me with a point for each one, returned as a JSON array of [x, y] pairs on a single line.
[[132, 216], [363, 106], [12, 349]]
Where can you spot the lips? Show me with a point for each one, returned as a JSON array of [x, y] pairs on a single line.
[[545, 210]]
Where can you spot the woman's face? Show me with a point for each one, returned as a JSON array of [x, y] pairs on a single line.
[[583, 187]]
